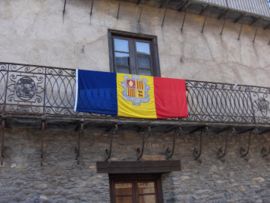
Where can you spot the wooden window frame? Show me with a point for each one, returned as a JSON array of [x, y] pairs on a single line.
[[135, 178], [155, 67]]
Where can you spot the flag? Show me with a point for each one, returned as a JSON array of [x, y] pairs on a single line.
[[126, 95]]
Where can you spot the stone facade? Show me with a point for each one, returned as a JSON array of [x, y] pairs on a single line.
[[233, 179]]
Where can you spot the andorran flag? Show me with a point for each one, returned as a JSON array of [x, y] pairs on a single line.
[[126, 95]]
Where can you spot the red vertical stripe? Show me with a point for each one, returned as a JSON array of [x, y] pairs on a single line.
[[170, 97]]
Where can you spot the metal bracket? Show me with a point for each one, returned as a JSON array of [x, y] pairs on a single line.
[[91, 9], [204, 23], [197, 150], [240, 31], [3, 126], [183, 21], [165, 13], [223, 26], [78, 147], [255, 35], [118, 11], [265, 152], [140, 151], [108, 152], [170, 152], [43, 128], [245, 151], [222, 151], [64, 9], [140, 15]]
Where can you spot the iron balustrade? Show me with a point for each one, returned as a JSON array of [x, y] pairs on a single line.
[[50, 91]]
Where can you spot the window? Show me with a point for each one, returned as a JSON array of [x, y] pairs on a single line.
[[133, 53], [135, 189]]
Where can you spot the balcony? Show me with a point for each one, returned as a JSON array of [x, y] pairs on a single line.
[[29, 91]]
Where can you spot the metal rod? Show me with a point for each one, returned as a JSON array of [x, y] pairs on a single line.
[[183, 22], [255, 35], [245, 151], [222, 151], [140, 15], [240, 32], [118, 11], [78, 148], [43, 128], [140, 151], [204, 23], [3, 125], [197, 151], [64, 8], [223, 26], [170, 152], [92, 6], [164, 16], [108, 152]]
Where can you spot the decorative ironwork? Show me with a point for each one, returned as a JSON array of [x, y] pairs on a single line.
[[197, 150], [222, 151], [48, 91], [145, 135], [170, 151], [108, 152]]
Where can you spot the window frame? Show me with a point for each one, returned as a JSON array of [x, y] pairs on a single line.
[[135, 178], [155, 67]]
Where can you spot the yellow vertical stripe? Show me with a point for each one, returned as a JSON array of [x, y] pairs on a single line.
[[126, 108]]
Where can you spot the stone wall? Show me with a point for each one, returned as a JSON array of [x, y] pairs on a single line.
[[232, 179], [35, 32]]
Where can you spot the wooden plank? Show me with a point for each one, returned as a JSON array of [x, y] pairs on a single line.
[[128, 167]]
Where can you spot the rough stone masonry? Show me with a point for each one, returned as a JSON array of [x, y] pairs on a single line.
[[60, 179]]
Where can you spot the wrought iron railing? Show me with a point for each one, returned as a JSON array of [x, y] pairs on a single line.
[[49, 91]]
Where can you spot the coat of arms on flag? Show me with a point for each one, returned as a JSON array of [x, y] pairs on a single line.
[[135, 89]]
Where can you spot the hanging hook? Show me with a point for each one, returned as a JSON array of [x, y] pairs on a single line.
[[265, 151], [43, 128], [197, 151], [222, 151], [3, 126], [78, 148], [170, 152], [140, 151], [108, 152], [245, 151], [91, 9]]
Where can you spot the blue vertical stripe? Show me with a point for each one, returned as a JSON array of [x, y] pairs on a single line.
[[96, 92]]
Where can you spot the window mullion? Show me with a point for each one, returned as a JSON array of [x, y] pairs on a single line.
[[133, 57]]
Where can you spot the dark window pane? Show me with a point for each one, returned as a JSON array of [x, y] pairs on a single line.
[[147, 199], [123, 188], [143, 47], [121, 45], [121, 59], [122, 69], [144, 71], [123, 200], [144, 61], [146, 187]]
